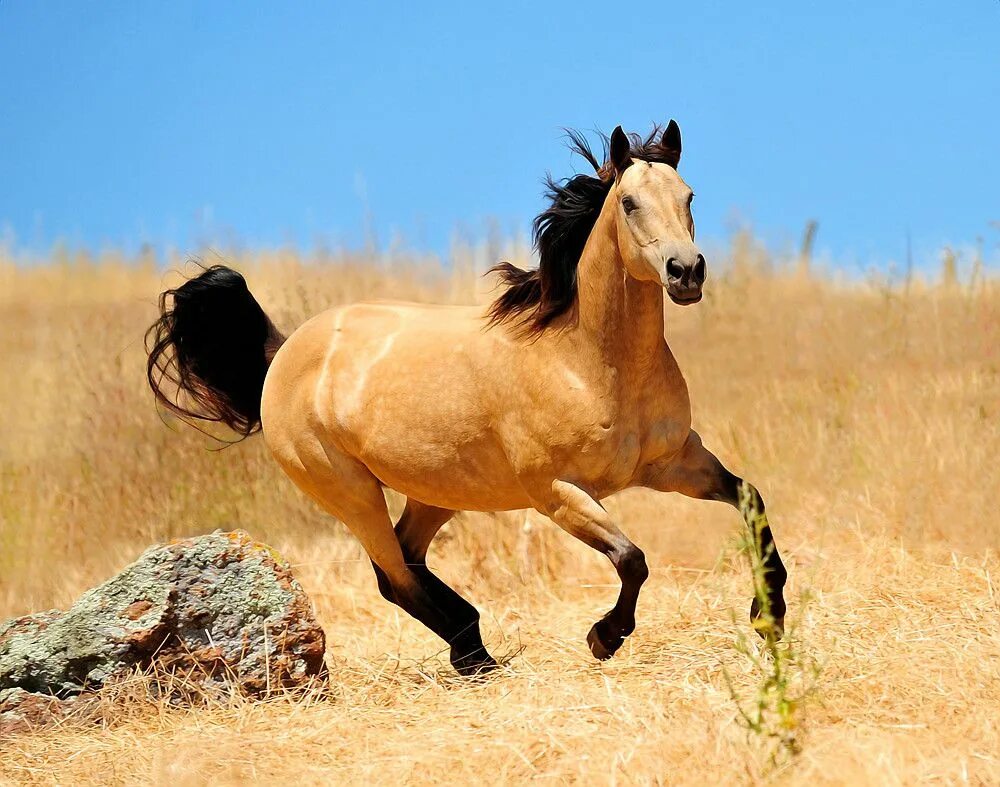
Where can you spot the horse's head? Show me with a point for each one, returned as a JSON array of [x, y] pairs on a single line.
[[652, 206]]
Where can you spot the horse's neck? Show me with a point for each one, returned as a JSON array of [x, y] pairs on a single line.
[[620, 316]]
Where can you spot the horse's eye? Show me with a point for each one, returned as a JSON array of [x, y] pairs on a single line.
[[628, 204]]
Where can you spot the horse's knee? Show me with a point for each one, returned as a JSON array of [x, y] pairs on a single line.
[[631, 565], [748, 496]]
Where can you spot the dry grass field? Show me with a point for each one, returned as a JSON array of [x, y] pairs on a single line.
[[867, 413]]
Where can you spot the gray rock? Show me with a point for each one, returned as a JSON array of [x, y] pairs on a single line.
[[218, 610]]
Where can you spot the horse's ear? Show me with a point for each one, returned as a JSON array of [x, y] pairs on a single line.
[[670, 144], [620, 151]]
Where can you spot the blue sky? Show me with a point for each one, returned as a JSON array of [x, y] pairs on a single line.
[[263, 124]]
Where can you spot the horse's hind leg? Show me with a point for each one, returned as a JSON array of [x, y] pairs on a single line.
[[415, 530], [417, 527], [352, 494], [579, 514]]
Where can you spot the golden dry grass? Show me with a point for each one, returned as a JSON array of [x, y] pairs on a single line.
[[868, 415]]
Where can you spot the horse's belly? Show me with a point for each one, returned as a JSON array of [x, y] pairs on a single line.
[[457, 477]]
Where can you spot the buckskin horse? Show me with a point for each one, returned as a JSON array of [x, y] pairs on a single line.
[[561, 393]]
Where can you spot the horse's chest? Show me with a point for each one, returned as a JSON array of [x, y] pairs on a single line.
[[611, 457], [603, 435]]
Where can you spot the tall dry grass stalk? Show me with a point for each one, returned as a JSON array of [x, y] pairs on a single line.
[[788, 675], [867, 414]]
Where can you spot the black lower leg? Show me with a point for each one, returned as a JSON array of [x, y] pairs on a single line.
[[384, 586], [607, 635], [769, 582], [443, 611], [468, 653]]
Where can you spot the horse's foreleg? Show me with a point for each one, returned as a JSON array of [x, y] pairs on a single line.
[[697, 473], [580, 515]]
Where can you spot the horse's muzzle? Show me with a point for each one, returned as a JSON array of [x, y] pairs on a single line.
[[684, 280]]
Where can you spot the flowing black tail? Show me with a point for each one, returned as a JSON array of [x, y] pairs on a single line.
[[213, 343]]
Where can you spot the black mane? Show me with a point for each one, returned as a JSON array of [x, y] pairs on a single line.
[[534, 299]]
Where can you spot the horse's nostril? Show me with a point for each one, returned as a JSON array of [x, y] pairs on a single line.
[[699, 268], [674, 269]]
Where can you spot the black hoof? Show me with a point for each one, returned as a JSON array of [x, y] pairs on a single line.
[[771, 627], [602, 644], [470, 665]]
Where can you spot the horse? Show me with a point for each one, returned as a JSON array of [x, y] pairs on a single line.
[[560, 393]]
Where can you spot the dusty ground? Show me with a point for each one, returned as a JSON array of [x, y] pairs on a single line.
[[867, 414]]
